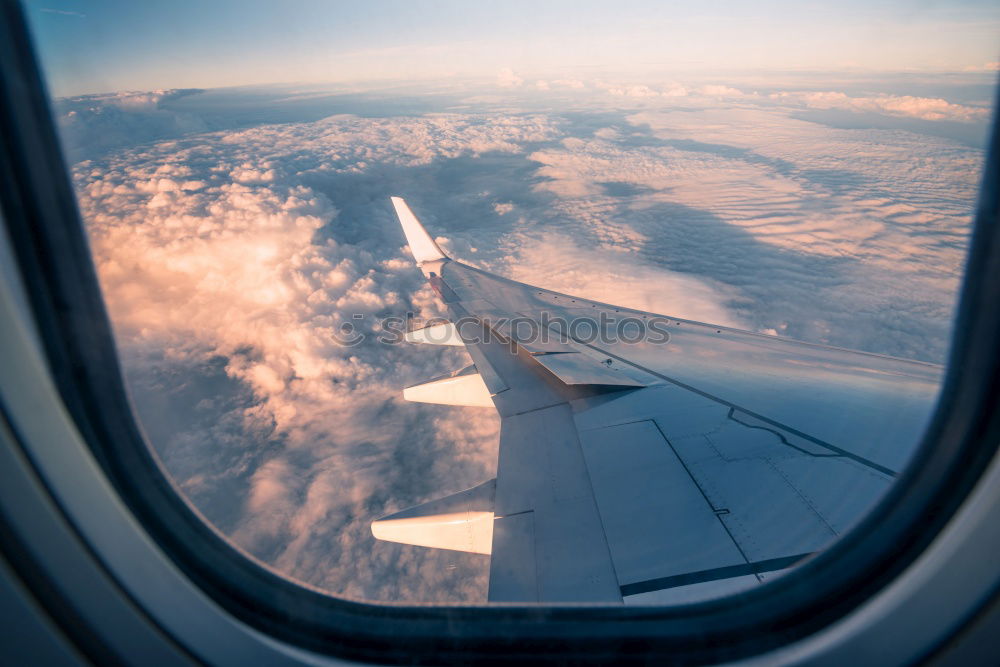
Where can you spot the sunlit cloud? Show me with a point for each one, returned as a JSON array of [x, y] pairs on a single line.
[[230, 255], [925, 108], [506, 78], [985, 67]]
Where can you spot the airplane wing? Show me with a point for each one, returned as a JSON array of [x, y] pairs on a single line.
[[643, 455]]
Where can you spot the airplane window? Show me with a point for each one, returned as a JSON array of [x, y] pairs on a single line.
[[456, 303]]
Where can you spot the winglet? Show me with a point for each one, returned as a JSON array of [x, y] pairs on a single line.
[[422, 246]]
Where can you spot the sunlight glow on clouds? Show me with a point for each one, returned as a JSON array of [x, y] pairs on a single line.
[[184, 43], [205, 251], [230, 253], [743, 164], [896, 105]]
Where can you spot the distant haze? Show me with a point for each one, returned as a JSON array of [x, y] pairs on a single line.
[[95, 47]]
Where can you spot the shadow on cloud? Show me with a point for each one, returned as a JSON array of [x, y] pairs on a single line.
[[231, 249]]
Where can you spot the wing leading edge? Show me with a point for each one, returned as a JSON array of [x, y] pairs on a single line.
[[686, 463]]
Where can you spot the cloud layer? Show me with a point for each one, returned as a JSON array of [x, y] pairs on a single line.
[[211, 251], [231, 258]]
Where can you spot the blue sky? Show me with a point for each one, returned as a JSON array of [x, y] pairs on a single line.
[[90, 47]]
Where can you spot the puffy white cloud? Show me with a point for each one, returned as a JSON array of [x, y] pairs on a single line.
[[634, 91], [640, 90], [926, 108], [506, 78], [212, 248], [231, 259], [718, 90]]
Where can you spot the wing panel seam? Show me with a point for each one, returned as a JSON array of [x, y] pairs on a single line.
[[842, 452], [694, 480]]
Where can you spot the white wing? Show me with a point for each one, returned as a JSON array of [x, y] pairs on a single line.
[[699, 454]]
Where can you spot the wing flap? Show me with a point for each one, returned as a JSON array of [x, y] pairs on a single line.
[[658, 522], [576, 368], [513, 575], [541, 474]]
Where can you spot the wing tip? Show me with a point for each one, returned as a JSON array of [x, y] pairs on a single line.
[[422, 245]]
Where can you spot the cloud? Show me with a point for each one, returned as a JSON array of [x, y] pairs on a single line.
[[925, 108], [670, 89], [634, 91], [985, 67], [212, 248], [716, 90], [92, 125], [507, 79], [782, 210], [556, 262], [230, 259]]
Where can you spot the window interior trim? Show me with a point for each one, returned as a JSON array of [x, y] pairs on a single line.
[[79, 358]]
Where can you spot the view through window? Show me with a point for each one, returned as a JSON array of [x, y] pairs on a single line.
[[796, 170]]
